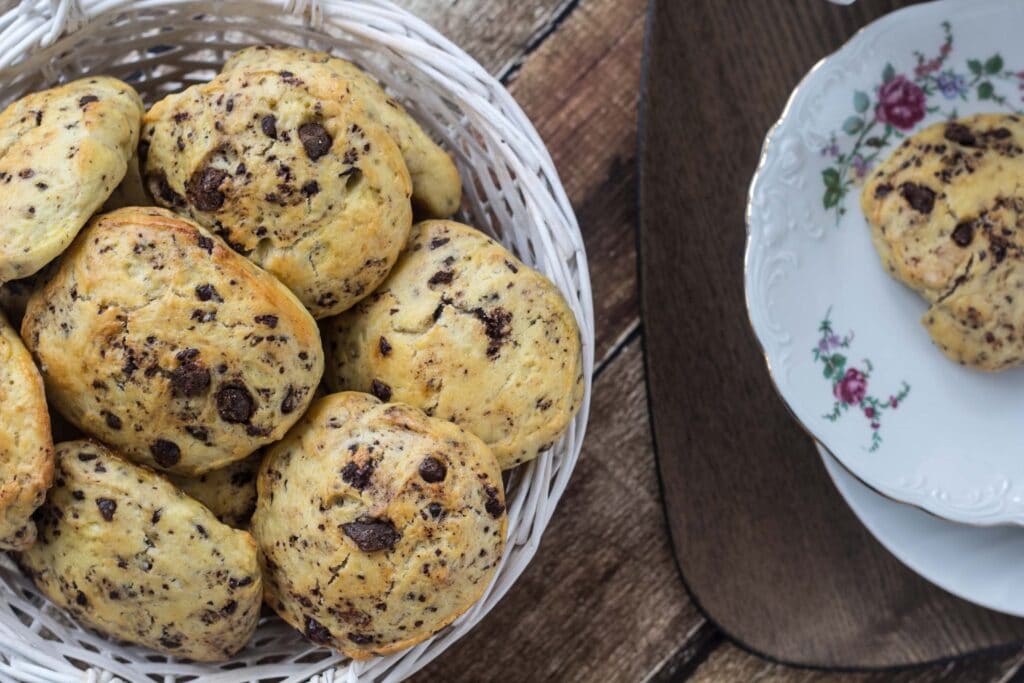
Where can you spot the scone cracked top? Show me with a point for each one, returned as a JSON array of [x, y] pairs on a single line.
[[62, 153], [158, 339], [26, 446], [436, 185], [127, 553], [377, 525], [466, 332], [291, 172], [946, 212]]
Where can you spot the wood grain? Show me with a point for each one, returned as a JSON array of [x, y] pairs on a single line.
[[602, 599], [766, 545]]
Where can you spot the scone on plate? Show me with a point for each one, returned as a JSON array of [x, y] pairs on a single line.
[[26, 446], [161, 341], [436, 186], [291, 172], [377, 525], [62, 153], [466, 332], [946, 211], [127, 553], [229, 492]]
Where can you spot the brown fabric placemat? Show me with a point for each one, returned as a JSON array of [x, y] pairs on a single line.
[[764, 542]]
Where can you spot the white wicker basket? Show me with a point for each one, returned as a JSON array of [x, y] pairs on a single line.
[[511, 190]]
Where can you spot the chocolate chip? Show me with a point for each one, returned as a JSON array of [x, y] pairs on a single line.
[[234, 403], [317, 632], [360, 638], [371, 534], [438, 242], [160, 188], [288, 404], [113, 421], [960, 134], [157, 514], [207, 292], [310, 189], [268, 320], [190, 379], [107, 508], [433, 470], [199, 433], [80, 598], [205, 243], [86, 457], [87, 99], [497, 327], [998, 246], [920, 197], [204, 191], [358, 477], [882, 190], [268, 124], [78, 495], [315, 139], [999, 133], [435, 510], [963, 233], [380, 390], [170, 643], [441, 277], [384, 346], [495, 508], [186, 355], [166, 453]]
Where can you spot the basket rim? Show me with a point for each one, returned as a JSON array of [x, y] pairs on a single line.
[[38, 28]]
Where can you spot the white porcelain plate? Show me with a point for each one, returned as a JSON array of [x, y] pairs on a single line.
[[984, 566], [842, 338]]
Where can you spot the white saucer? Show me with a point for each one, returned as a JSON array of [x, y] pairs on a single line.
[[983, 565]]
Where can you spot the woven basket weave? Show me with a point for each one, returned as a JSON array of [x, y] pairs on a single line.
[[511, 191]]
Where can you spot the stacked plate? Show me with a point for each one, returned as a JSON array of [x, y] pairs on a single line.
[[929, 454]]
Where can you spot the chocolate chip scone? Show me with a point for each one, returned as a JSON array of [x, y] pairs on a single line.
[[127, 553], [26, 446], [229, 493], [946, 211], [436, 186], [158, 339], [377, 525], [291, 172], [464, 331], [62, 153]]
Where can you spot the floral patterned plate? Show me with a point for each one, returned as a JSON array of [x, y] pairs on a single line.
[[842, 339]]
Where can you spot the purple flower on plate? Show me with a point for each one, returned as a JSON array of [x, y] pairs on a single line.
[[951, 85], [860, 166], [901, 103]]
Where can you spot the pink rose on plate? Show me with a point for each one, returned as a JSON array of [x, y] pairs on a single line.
[[901, 103], [852, 387]]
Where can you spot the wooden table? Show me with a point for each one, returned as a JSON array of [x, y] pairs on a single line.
[[602, 599]]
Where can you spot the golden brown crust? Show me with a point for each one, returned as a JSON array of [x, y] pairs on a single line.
[[436, 185], [946, 212], [465, 331], [26, 445], [127, 553], [377, 525], [62, 153], [292, 173], [157, 338]]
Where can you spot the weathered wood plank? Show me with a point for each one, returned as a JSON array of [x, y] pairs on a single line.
[[730, 663], [497, 33], [602, 599], [580, 88]]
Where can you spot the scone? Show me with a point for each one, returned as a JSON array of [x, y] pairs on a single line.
[[291, 172], [127, 553], [62, 153], [159, 340], [946, 212], [26, 446], [377, 525], [436, 186], [229, 493], [464, 331]]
